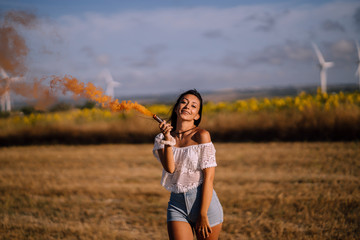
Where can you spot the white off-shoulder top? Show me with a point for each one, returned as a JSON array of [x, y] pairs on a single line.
[[189, 163]]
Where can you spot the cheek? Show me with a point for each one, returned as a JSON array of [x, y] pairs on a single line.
[[178, 108], [195, 110]]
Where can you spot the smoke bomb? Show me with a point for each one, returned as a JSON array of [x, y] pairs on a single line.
[[159, 120]]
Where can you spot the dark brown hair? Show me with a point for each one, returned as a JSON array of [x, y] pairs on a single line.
[[173, 117]]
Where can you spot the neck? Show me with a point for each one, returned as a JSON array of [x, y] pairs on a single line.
[[182, 126]]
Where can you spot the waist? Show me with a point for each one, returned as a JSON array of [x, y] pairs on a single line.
[[180, 182], [192, 191]]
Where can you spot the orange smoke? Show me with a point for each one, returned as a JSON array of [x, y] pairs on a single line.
[[13, 46], [35, 91], [12, 60], [90, 91]]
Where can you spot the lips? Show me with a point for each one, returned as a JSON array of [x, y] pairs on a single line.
[[183, 111]]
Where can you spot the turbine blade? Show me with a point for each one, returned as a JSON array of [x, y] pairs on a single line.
[[15, 79], [358, 49], [3, 73], [105, 74], [318, 54], [329, 64]]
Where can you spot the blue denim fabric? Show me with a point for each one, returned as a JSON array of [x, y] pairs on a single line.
[[185, 207]]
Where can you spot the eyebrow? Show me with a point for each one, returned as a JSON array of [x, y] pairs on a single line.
[[189, 101]]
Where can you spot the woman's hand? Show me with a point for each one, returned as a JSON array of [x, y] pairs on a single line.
[[203, 228], [166, 128]]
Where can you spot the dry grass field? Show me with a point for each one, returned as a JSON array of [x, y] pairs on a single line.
[[268, 191]]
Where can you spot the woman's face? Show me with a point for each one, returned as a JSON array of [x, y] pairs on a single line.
[[188, 108]]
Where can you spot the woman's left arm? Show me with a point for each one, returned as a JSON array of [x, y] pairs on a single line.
[[203, 226]]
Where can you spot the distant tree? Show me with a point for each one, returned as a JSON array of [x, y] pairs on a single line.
[[4, 114], [61, 107], [88, 105], [27, 110]]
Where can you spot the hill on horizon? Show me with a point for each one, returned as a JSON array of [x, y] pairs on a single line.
[[225, 95]]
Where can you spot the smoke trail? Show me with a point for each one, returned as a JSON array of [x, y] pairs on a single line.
[[13, 46], [12, 60], [37, 91], [90, 91]]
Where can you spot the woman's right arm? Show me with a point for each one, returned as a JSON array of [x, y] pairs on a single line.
[[167, 158], [166, 154]]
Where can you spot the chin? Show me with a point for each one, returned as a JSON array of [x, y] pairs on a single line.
[[186, 118]]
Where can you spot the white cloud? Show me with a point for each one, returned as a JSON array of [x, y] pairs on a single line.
[[343, 49], [103, 59], [216, 47]]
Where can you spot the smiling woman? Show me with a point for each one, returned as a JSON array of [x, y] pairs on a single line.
[[188, 159]]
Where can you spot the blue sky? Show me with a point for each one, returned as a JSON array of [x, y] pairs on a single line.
[[155, 47]]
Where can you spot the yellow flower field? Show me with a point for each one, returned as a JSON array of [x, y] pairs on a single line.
[[330, 116], [301, 102]]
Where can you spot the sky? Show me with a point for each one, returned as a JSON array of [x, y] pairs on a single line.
[[167, 46]]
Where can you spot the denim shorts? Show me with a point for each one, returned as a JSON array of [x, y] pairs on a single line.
[[185, 207]]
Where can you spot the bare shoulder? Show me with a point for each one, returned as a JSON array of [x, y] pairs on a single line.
[[202, 136]]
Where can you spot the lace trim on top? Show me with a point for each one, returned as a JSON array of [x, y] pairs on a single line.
[[189, 163]]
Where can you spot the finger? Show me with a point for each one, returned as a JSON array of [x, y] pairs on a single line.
[[162, 129], [199, 232], [162, 123], [206, 233], [165, 127], [168, 128]]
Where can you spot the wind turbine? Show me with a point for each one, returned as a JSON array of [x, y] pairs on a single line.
[[5, 96], [110, 83], [357, 73], [323, 67]]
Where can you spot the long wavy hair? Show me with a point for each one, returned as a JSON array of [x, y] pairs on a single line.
[[173, 117]]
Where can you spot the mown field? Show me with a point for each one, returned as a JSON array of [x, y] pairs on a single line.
[[270, 190]]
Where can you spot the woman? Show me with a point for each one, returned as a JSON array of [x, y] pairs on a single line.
[[188, 159]]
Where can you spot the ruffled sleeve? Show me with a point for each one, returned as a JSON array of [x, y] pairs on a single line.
[[158, 145], [207, 156]]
